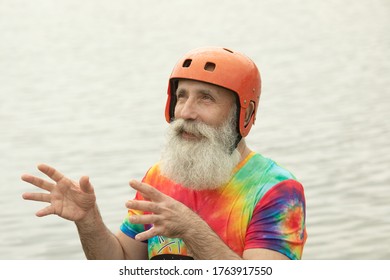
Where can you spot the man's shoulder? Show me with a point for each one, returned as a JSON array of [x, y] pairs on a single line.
[[155, 168], [267, 168], [262, 174], [153, 173], [155, 178]]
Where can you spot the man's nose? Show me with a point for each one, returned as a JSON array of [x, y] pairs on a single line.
[[188, 110]]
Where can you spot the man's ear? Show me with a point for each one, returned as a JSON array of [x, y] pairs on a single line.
[[249, 112]]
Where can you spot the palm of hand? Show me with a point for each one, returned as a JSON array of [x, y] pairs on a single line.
[[68, 199]]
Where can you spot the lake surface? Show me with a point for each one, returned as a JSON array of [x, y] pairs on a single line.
[[83, 88]]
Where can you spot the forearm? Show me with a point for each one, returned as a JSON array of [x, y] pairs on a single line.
[[205, 244], [97, 240]]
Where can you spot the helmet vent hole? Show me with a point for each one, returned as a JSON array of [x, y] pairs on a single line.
[[187, 63], [209, 66]]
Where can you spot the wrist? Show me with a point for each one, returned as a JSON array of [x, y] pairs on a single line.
[[194, 226], [90, 219]]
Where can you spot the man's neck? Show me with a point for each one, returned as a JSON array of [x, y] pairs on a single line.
[[243, 149]]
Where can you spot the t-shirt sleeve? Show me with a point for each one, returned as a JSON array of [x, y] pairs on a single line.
[[278, 221], [128, 228]]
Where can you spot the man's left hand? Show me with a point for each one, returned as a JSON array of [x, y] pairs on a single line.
[[166, 214]]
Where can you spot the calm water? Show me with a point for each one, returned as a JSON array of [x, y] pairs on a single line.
[[83, 86]]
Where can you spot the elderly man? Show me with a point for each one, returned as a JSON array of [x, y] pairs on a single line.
[[210, 196]]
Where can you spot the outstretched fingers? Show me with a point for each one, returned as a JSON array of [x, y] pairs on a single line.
[[54, 174], [145, 206], [43, 184], [43, 197], [145, 235], [40, 183], [49, 210], [147, 191]]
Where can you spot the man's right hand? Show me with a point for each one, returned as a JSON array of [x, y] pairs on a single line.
[[68, 199]]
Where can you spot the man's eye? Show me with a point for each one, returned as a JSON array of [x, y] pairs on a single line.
[[207, 97], [179, 95]]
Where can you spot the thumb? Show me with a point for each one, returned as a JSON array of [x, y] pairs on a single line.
[[85, 185]]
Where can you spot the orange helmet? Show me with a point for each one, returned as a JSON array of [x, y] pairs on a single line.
[[221, 67]]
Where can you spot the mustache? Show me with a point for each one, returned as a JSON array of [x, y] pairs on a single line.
[[195, 128]]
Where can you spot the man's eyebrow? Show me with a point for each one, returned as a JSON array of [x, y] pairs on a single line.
[[180, 90], [205, 91]]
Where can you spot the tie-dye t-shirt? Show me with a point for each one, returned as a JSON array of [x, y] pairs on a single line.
[[262, 206]]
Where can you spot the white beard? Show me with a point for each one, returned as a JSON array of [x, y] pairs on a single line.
[[205, 163]]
